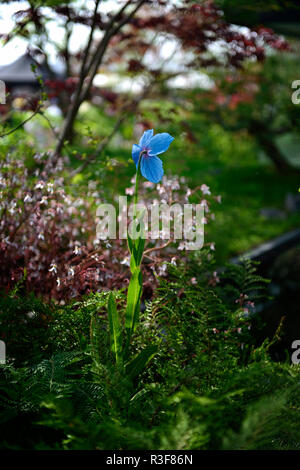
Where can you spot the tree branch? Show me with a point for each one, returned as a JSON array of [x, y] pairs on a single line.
[[96, 60], [82, 91], [22, 123]]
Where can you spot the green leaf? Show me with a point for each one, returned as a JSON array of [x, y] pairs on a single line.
[[139, 362], [130, 243], [133, 300], [114, 328], [133, 265], [139, 249], [136, 248]]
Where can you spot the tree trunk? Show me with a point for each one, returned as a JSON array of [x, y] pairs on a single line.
[[67, 127], [272, 151], [266, 140], [89, 70]]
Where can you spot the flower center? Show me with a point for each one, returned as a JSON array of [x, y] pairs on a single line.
[[145, 152]]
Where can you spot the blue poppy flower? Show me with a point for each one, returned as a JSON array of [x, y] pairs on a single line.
[[151, 166]]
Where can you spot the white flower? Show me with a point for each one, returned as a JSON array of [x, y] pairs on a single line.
[[148, 184], [50, 188], [27, 198], [126, 261], [71, 272], [53, 268], [175, 186], [40, 185], [31, 314], [205, 205], [129, 191], [160, 189], [162, 270], [205, 189], [44, 200], [76, 250], [12, 208]]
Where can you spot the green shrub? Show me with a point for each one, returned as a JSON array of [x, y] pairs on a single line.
[[208, 387]]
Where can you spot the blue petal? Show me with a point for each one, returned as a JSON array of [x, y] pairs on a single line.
[[152, 168], [136, 150], [146, 137], [160, 143]]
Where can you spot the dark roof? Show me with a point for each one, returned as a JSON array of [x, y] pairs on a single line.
[[283, 17], [20, 71]]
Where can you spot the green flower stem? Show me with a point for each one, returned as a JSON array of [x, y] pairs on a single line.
[[135, 285], [137, 184]]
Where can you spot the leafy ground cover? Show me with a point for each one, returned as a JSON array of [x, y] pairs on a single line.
[[209, 386]]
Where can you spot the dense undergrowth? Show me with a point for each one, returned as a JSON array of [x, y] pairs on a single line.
[[120, 344], [209, 386]]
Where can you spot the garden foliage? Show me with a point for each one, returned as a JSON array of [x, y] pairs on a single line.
[[209, 385], [126, 343]]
